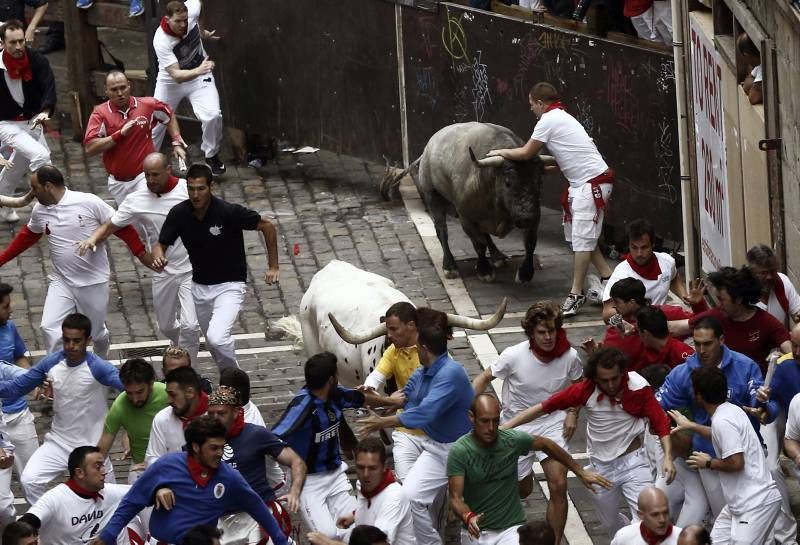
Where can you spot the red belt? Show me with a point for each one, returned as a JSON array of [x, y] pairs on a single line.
[[597, 194]]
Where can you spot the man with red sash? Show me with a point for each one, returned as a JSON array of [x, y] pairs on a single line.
[[27, 99], [656, 270], [120, 129], [620, 405], [655, 527], [778, 296], [590, 183], [532, 371]]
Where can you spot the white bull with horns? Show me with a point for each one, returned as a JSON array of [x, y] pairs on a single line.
[[342, 312]]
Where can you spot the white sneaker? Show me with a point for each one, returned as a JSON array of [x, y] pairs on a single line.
[[9, 215], [594, 289]]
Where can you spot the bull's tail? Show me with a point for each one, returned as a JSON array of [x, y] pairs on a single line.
[[392, 178], [290, 327]]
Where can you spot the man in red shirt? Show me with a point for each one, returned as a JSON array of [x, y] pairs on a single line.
[[747, 329], [120, 129], [659, 346]]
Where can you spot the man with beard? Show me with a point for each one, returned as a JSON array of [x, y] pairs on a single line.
[[778, 296], [134, 410], [655, 527]]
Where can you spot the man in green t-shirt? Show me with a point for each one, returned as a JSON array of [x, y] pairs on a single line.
[[482, 473], [134, 410]]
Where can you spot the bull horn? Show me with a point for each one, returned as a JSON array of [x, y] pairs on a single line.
[[356, 338], [548, 160], [16, 202], [456, 320], [493, 161]]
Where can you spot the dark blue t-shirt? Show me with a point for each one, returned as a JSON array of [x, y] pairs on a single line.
[[246, 452]]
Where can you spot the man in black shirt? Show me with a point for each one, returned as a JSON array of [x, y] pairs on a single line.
[[211, 231], [27, 98]]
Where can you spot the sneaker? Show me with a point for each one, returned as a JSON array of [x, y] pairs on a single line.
[[217, 166], [572, 303], [594, 289], [84, 4], [136, 9], [9, 215]]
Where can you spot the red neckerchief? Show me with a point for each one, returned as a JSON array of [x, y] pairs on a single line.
[[82, 492], [237, 426], [780, 294], [18, 68], [388, 478], [166, 28], [651, 271], [650, 537], [169, 186], [561, 346], [557, 105], [199, 473], [202, 407]]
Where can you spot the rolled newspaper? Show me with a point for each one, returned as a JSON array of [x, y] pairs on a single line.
[[773, 360]]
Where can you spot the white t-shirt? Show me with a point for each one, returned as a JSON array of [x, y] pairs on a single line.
[[753, 487], [793, 419], [186, 51], [14, 85], [655, 290], [774, 307], [390, 511], [68, 519], [528, 381], [632, 535], [609, 429], [80, 405], [73, 219], [573, 148], [148, 210]]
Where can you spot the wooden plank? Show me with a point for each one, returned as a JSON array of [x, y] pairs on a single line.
[[512, 11], [754, 173], [113, 16], [82, 57]]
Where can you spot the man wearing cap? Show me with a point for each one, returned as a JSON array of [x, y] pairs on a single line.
[[245, 448]]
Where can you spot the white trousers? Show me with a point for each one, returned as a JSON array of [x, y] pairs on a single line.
[[175, 312], [509, 536], [8, 513], [202, 94], [785, 529], [655, 24], [217, 308], [325, 498], [47, 464], [630, 474], [30, 153], [120, 190], [695, 503], [427, 480], [406, 448], [242, 529], [751, 528], [21, 432], [63, 299]]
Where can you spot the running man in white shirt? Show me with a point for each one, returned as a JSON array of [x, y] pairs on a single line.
[[79, 283], [184, 71], [172, 288], [618, 404], [752, 499], [532, 371], [80, 382], [590, 183], [656, 270], [655, 527], [75, 511]]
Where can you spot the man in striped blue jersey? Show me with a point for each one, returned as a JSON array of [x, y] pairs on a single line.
[[310, 425]]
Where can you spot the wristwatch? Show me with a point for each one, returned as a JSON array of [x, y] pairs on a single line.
[[708, 463]]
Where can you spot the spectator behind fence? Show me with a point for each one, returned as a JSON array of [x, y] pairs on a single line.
[[752, 84]]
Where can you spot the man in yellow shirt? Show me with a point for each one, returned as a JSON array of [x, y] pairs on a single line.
[[399, 362]]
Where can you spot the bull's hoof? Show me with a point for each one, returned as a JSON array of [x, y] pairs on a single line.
[[488, 278], [523, 277], [451, 273]]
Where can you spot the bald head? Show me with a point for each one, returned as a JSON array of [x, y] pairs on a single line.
[[155, 160], [157, 171], [654, 510], [694, 535], [485, 417], [651, 497], [485, 404]]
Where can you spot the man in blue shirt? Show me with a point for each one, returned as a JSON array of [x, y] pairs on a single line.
[[20, 430], [310, 425], [245, 449], [744, 379], [438, 395]]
